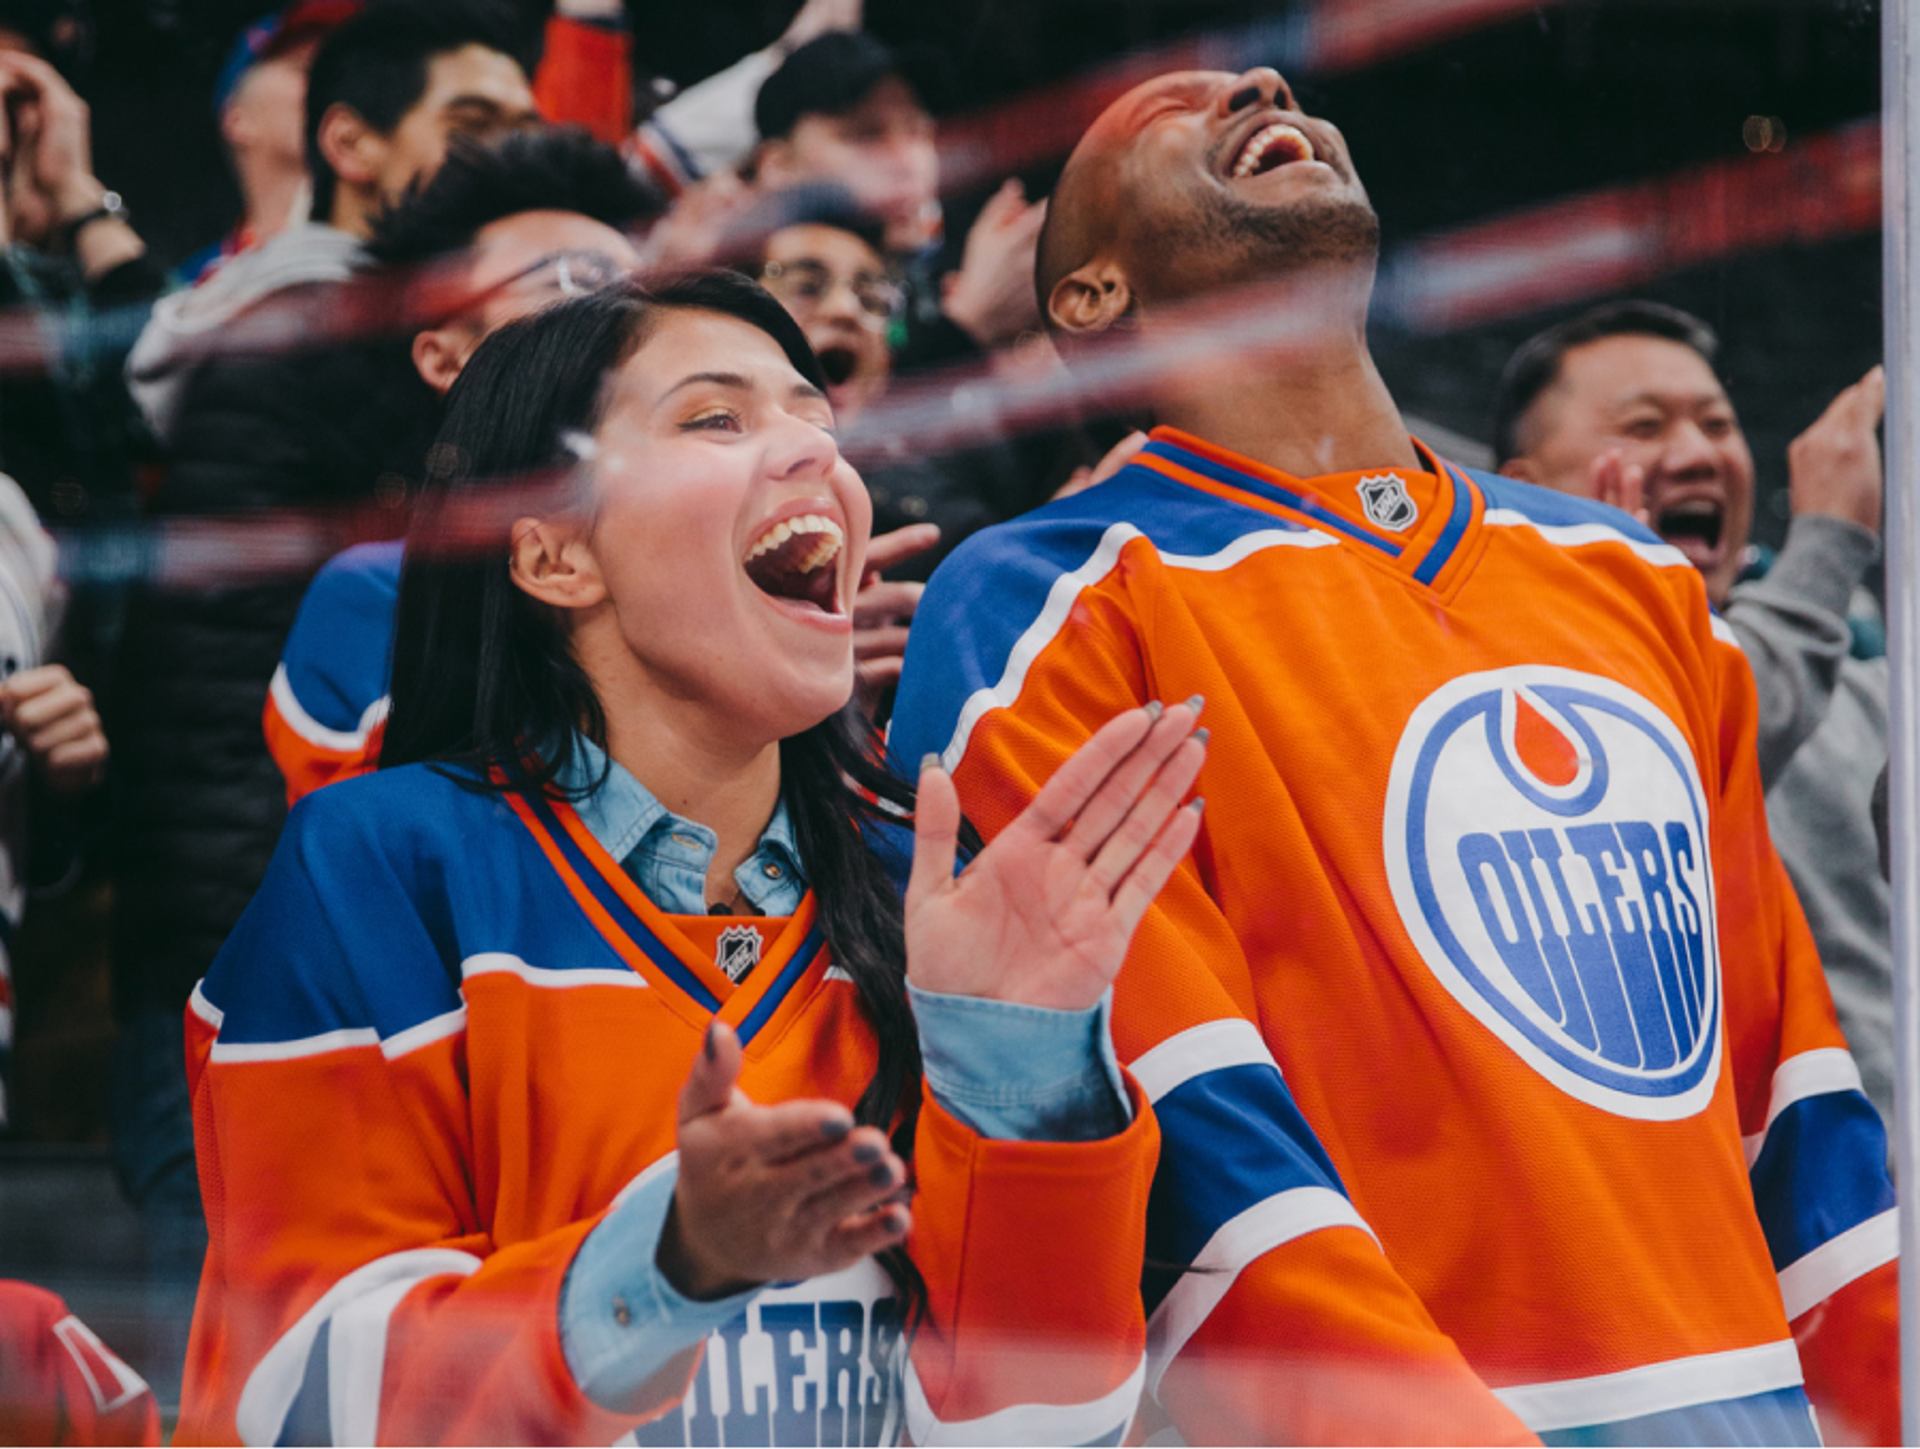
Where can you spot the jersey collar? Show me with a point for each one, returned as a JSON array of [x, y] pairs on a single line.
[[1447, 501], [646, 938]]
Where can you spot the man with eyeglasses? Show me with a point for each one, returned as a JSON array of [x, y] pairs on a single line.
[[499, 233], [830, 271]]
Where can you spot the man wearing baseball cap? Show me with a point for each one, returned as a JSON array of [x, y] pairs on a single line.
[[846, 108], [260, 98]]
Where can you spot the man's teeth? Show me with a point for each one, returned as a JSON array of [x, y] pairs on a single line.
[[1264, 140], [827, 543]]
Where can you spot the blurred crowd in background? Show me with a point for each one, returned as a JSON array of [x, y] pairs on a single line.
[[1632, 251]]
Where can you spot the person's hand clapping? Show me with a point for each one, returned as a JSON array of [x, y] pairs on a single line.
[[883, 610], [990, 297], [776, 1193], [1044, 915], [1833, 468], [53, 716]]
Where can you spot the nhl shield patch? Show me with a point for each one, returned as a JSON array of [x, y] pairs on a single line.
[[738, 951], [1386, 501]]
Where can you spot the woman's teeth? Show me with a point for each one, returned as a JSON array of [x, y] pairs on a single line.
[[793, 559], [824, 532]]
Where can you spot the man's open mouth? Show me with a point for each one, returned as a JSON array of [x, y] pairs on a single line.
[[1269, 148], [1695, 526], [838, 363], [797, 559]]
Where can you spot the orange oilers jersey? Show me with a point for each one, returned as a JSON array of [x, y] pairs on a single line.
[[1481, 1023], [327, 705], [446, 1035]]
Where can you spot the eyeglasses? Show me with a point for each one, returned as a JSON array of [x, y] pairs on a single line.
[[807, 283], [565, 274]]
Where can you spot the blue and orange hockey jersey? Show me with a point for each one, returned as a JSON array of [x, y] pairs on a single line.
[[328, 701], [1481, 1024], [446, 1035]]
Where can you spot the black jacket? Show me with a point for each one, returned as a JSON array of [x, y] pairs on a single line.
[[310, 451]]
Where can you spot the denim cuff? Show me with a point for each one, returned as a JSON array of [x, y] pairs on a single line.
[[1022, 1073], [620, 1319]]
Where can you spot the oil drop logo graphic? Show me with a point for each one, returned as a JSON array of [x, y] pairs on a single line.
[[1546, 840]]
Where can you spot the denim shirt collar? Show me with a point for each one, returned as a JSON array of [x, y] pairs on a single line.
[[666, 854]]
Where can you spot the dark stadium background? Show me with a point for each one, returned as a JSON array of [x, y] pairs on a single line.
[[1521, 105]]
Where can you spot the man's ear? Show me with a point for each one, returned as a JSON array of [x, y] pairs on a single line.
[[549, 559], [353, 148], [1521, 468], [440, 354], [1090, 298]]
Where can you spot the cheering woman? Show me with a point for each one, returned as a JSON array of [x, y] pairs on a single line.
[[584, 1071]]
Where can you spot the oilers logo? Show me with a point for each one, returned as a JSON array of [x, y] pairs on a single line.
[[1546, 843]]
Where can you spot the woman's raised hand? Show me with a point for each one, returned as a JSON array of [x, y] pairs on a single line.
[[772, 1193], [1044, 915]]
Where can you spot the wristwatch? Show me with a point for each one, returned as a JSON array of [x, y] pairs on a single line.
[[110, 206]]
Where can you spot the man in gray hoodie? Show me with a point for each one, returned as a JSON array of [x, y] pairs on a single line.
[[1623, 403]]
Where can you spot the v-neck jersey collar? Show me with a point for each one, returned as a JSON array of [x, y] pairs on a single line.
[[1445, 501]]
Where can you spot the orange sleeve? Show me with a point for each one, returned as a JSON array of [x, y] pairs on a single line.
[[1816, 1148], [586, 78], [1032, 1255]]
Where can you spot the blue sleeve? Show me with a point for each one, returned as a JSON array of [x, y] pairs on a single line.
[[620, 1319], [1022, 1073]]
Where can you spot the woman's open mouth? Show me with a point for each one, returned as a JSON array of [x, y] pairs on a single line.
[[797, 560]]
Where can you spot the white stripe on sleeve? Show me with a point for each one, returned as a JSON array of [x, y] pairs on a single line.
[[276, 1380], [1101, 1419]]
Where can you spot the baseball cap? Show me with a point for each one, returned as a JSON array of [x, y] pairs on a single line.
[[833, 73], [276, 34]]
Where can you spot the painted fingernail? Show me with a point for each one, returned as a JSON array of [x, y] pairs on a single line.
[[1196, 703], [713, 1040], [1197, 804], [1155, 709], [928, 762], [1203, 734], [867, 1151], [834, 1128], [897, 1220], [881, 1175]]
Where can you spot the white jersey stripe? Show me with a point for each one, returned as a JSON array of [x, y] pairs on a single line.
[[1236, 1243], [448, 1023], [203, 1008], [1654, 1388], [275, 1382], [1579, 535], [310, 729], [344, 1039], [1808, 1074], [1068, 588], [1209, 1047], [490, 963], [1100, 1420], [1813, 1278]]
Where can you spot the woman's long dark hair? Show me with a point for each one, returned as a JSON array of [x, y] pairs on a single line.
[[483, 676]]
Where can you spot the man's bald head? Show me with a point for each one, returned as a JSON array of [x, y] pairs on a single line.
[[1191, 182]]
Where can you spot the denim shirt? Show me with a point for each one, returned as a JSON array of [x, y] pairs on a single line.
[[667, 855], [1008, 1071]]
